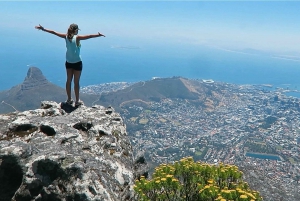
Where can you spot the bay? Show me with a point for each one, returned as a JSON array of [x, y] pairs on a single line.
[[133, 64]]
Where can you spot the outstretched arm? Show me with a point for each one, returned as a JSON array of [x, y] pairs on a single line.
[[61, 35], [84, 37]]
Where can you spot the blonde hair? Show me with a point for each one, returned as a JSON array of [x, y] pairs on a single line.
[[71, 31]]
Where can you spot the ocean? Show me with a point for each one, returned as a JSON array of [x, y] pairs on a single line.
[[133, 64]]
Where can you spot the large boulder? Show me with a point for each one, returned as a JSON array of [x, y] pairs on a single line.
[[59, 152]]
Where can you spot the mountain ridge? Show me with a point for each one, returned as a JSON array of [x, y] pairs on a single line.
[[194, 91], [34, 89]]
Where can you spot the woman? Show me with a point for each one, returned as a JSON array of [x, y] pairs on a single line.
[[73, 59]]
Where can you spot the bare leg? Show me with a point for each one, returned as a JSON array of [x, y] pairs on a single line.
[[76, 83], [70, 73]]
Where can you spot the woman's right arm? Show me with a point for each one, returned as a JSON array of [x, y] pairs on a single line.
[[61, 35]]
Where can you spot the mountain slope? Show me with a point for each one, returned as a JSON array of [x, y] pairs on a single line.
[[157, 89], [34, 89]]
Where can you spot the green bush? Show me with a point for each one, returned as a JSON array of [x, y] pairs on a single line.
[[186, 180]]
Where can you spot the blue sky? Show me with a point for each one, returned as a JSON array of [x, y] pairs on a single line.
[[272, 26], [144, 35]]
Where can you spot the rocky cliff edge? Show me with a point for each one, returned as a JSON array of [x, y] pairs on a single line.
[[60, 153]]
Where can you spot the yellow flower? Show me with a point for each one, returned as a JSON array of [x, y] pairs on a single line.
[[243, 196], [225, 191], [163, 179], [241, 191], [219, 198], [250, 195]]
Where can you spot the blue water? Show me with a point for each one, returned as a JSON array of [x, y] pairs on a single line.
[[263, 156], [107, 64]]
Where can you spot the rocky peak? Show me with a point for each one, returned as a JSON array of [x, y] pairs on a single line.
[[34, 78], [56, 154]]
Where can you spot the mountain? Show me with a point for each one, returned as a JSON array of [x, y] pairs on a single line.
[[50, 154], [34, 89], [194, 91]]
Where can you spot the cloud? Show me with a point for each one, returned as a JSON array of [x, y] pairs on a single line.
[[287, 57], [245, 51], [125, 47]]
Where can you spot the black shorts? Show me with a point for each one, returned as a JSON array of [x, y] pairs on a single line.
[[74, 66]]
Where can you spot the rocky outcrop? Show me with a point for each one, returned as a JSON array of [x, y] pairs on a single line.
[[56, 153]]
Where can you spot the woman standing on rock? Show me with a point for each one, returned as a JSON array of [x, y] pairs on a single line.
[[73, 59]]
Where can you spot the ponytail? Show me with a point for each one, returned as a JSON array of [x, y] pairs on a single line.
[[70, 33]]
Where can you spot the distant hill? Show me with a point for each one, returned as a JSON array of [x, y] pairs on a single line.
[[194, 91], [34, 89]]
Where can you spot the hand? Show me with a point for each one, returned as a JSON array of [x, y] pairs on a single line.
[[100, 34], [40, 27]]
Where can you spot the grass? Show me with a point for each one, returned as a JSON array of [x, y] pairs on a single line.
[[133, 119], [162, 120], [177, 123], [143, 121], [292, 161]]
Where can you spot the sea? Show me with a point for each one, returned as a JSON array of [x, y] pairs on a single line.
[[134, 64]]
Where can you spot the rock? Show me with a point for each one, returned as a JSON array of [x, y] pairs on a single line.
[[50, 154], [141, 167]]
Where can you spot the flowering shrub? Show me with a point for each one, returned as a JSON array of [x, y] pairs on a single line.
[[186, 180]]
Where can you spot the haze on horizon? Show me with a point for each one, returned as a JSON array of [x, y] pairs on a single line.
[[163, 27]]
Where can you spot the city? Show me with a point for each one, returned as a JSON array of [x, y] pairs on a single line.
[[246, 119]]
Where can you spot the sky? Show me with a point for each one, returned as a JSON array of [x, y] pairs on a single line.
[[263, 25], [165, 27]]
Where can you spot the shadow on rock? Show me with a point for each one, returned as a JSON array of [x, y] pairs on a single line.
[[67, 107], [10, 177]]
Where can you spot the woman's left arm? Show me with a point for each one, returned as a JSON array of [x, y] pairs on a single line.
[[85, 37]]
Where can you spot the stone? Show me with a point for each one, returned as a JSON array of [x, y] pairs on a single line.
[[51, 154]]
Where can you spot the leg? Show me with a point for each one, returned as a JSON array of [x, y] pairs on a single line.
[[70, 73], [77, 74]]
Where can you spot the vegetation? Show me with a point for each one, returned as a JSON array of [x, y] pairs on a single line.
[[186, 180], [268, 122], [259, 147]]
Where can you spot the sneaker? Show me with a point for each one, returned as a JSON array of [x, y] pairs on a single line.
[[69, 101], [78, 103]]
